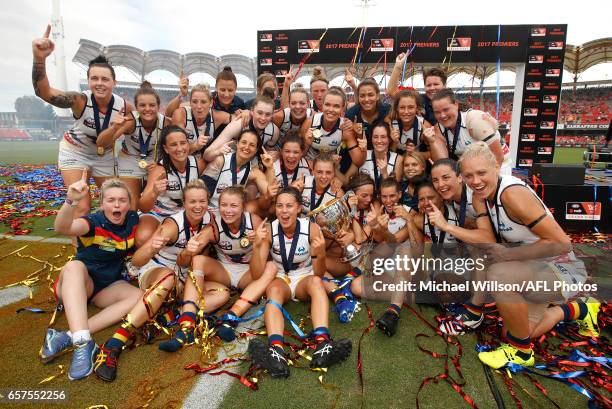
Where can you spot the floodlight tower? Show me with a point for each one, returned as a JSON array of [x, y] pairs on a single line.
[[57, 31]]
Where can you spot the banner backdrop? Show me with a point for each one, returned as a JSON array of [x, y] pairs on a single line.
[[540, 47]]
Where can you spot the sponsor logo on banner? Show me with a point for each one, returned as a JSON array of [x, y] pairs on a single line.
[[555, 45], [308, 46], [265, 49], [553, 72], [281, 61], [265, 37], [549, 112], [533, 86], [281, 37], [265, 61], [528, 137], [536, 59], [554, 59], [549, 99], [538, 31], [280, 73], [545, 150], [586, 126], [536, 45], [530, 111], [557, 32], [535, 72], [545, 138], [458, 44], [282, 49], [527, 149], [532, 98], [583, 210], [381, 44], [547, 125], [525, 163]]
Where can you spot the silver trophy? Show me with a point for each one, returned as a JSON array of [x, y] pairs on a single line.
[[336, 216]]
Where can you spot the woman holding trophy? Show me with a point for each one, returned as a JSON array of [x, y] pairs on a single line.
[[297, 247]]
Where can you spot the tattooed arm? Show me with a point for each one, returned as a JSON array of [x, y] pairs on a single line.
[[41, 49]]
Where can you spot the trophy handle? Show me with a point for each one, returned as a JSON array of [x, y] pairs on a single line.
[[352, 208]]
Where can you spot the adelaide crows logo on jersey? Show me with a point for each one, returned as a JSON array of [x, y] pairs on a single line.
[[225, 245], [174, 185], [181, 243], [301, 251]]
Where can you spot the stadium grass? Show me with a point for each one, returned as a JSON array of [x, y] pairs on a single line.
[[393, 367], [568, 156], [40, 152]]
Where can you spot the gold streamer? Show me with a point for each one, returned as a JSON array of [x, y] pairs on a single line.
[[62, 371]]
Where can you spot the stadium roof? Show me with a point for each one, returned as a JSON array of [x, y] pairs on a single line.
[[577, 60], [144, 62], [582, 57]]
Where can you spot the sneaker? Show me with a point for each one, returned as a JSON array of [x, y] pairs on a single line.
[[271, 358], [388, 323], [331, 352], [82, 360], [504, 355], [588, 326], [184, 336], [460, 323], [346, 309], [56, 342], [106, 363]]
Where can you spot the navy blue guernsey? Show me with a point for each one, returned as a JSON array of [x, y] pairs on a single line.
[[104, 247]]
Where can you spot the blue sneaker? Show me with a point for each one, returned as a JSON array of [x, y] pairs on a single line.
[[83, 360], [346, 309], [56, 342]]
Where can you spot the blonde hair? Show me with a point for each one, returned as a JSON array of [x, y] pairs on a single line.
[[201, 87], [478, 150], [419, 158], [112, 184], [195, 184]]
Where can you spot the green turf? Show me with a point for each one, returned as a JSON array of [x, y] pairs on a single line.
[[29, 152], [568, 156], [393, 369]]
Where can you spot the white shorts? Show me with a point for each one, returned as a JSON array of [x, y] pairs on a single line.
[[127, 166], [235, 271], [159, 217], [573, 272], [294, 279], [151, 266], [100, 166]]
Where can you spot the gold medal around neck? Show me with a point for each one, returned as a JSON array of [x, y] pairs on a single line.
[[142, 164], [244, 242], [100, 150]]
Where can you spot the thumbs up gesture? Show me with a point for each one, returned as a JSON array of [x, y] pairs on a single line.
[[161, 184]]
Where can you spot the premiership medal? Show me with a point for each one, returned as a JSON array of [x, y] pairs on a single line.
[[142, 164], [316, 135], [244, 242], [100, 150]]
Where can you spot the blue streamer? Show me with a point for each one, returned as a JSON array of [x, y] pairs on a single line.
[[288, 317]]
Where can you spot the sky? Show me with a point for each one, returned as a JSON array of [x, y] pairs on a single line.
[[190, 26]]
